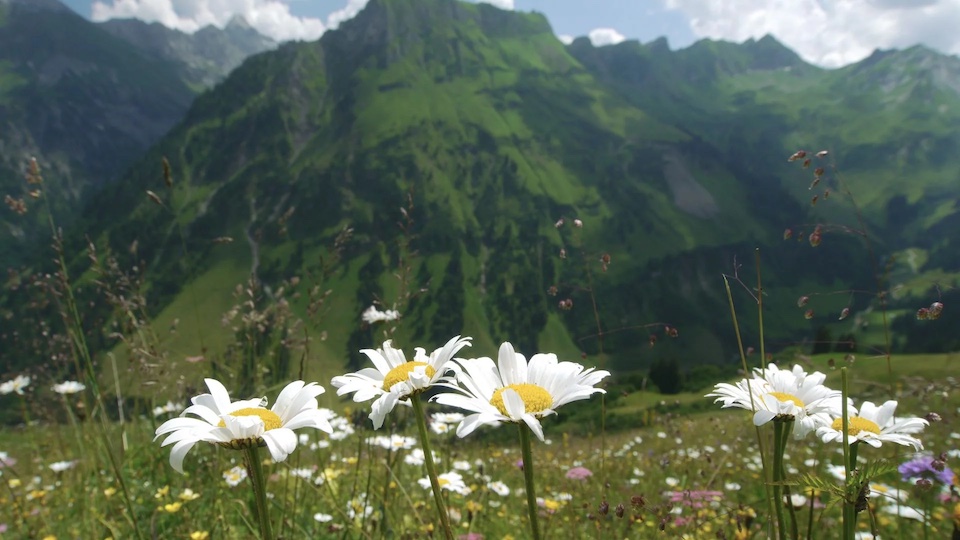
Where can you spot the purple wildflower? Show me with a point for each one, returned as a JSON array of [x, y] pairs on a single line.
[[579, 473], [923, 468]]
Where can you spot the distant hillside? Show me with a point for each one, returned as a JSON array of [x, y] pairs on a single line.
[[206, 56], [494, 138]]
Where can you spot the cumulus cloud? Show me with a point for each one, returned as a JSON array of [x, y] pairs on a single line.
[[346, 13], [566, 39], [605, 36], [271, 18], [826, 32]]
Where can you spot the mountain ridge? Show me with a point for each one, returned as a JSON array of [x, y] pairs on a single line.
[[489, 133]]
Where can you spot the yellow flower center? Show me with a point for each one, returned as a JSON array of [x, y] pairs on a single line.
[[270, 418], [535, 398], [402, 373], [442, 482], [784, 397], [856, 425]]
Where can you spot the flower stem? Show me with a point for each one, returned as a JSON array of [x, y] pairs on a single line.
[[849, 462], [251, 455], [431, 468], [528, 480], [778, 448]]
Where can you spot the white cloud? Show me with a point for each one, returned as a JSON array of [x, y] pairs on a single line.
[[271, 18], [827, 32], [502, 4], [605, 36], [566, 39], [346, 13]]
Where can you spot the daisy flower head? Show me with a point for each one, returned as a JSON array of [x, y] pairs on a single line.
[[776, 393], [69, 387], [874, 426], [17, 384], [513, 390], [449, 481], [393, 379], [245, 423]]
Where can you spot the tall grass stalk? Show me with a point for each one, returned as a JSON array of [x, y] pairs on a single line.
[[753, 407], [81, 352]]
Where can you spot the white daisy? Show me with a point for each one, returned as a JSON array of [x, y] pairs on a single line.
[[875, 425], [779, 393], [69, 387], [499, 488], [394, 379], [61, 466], [239, 424], [234, 476], [516, 391], [450, 481], [16, 385]]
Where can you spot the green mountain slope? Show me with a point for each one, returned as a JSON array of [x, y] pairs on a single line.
[[478, 130]]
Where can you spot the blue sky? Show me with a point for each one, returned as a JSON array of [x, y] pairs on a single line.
[[825, 32]]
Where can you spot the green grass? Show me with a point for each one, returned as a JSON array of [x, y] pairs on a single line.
[[687, 444]]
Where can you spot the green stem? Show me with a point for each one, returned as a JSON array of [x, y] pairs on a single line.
[[251, 455], [787, 430], [778, 435], [431, 468], [849, 461], [528, 480]]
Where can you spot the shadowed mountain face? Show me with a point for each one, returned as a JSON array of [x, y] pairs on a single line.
[[87, 104], [488, 131], [206, 56]]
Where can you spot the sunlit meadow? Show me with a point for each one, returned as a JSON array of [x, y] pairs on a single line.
[[516, 444]]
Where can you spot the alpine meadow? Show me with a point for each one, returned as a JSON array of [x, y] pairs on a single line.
[[439, 274]]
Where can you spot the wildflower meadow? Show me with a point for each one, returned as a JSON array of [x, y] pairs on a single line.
[[459, 441]]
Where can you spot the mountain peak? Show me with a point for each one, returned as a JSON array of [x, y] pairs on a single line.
[[392, 29], [38, 5], [238, 22]]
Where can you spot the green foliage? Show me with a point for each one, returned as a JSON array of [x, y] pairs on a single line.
[[667, 375]]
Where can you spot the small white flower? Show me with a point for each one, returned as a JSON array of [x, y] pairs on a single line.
[[322, 518], [874, 425], [16, 385], [393, 442], [237, 424], [234, 476], [393, 379], [514, 391], [373, 315], [499, 488], [69, 387], [450, 481], [169, 407], [796, 500], [61, 466]]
